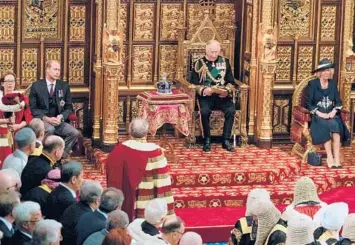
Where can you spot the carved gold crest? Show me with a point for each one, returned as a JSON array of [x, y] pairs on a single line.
[[42, 18]]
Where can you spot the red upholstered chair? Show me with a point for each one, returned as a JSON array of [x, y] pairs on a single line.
[[301, 120]]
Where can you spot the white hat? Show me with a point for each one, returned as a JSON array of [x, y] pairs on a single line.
[[332, 216]]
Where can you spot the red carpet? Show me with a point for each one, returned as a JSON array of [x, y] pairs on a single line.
[[210, 190]]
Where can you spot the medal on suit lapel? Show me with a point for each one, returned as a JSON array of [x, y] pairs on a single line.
[[60, 96]]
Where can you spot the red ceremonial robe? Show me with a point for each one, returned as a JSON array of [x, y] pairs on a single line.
[[140, 170]]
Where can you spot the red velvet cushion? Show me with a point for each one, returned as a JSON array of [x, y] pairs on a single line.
[[72, 117]]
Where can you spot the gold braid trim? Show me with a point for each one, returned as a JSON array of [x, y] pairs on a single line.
[[204, 72]]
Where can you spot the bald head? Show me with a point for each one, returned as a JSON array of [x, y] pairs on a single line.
[[191, 238], [9, 179], [53, 145], [213, 49], [37, 126], [138, 128]]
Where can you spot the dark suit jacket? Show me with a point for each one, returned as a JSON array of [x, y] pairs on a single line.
[[19, 238], [69, 220], [88, 224], [58, 201], [7, 234], [39, 99], [38, 195], [34, 172]]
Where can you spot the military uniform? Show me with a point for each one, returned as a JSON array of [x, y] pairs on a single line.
[[218, 76]]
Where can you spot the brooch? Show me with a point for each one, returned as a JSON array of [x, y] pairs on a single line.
[[62, 103]]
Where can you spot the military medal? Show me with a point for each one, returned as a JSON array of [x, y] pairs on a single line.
[[62, 103]]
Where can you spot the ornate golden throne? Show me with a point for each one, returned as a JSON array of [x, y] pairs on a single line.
[[301, 119], [190, 51]]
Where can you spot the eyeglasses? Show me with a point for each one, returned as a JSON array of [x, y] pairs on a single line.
[[13, 186], [9, 81], [34, 221], [181, 233]]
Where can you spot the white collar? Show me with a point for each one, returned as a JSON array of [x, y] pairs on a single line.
[[49, 83], [26, 234], [71, 191], [7, 223], [39, 142], [104, 214]]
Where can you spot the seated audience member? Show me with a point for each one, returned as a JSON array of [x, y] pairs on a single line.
[[117, 236], [50, 100], [37, 126], [331, 218], [191, 238], [142, 230], [9, 180], [116, 219], [142, 165], [38, 167], [65, 194], [12, 117], [348, 233], [41, 193], [47, 232], [9, 199], [26, 141], [172, 230], [325, 104], [111, 199], [242, 232], [26, 214], [300, 229], [90, 194]]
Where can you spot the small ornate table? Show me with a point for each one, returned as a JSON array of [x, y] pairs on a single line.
[[160, 109]]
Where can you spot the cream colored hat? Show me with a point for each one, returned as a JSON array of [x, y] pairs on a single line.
[[254, 197], [332, 216], [300, 229], [305, 191], [349, 227]]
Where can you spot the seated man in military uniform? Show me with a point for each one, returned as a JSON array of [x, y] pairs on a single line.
[[215, 85]]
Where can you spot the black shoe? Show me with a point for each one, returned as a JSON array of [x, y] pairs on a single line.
[[207, 145], [226, 145]]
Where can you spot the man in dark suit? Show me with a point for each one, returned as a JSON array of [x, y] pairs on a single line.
[[92, 222], [65, 194], [116, 219], [9, 199], [90, 194], [26, 214], [38, 167], [50, 100]]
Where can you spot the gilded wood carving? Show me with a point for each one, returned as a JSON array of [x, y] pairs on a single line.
[[142, 62], [326, 51], [281, 115], [53, 54], [6, 60], [295, 18], [76, 65], [42, 19], [171, 19], [144, 18], [77, 23], [284, 63], [328, 23], [29, 65], [123, 21], [304, 62], [168, 60], [7, 24]]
